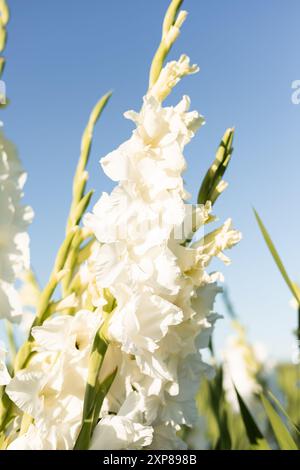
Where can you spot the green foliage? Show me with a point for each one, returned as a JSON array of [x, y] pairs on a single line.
[[291, 423], [288, 381], [295, 292], [256, 438], [231, 430], [283, 436], [224, 427]]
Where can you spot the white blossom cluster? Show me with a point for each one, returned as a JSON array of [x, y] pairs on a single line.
[[164, 296], [14, 240]]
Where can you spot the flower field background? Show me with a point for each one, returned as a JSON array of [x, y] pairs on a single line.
[[116, 349]]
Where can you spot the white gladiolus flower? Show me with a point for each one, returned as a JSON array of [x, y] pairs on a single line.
[[164, 297], [14, 240]]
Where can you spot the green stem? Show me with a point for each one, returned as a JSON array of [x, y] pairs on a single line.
[[166, 42], [71, 263], [55, 277], [96, 359], [95, 392], [91, 420], [81, 175]]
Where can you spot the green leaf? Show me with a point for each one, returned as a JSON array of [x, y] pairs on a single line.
[[256, 438], [283, 411], [283, 436], [277, 258], [102, 391], [218, 406], [224, 442]]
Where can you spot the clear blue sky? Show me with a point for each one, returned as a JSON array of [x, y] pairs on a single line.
[[63, 55]]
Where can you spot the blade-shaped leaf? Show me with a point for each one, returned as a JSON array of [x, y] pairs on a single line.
[[283, 436], [218, 406], [277, 258], [255, 436], [283, 411]]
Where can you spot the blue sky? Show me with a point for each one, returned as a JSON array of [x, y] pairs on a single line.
[[63, 55]]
